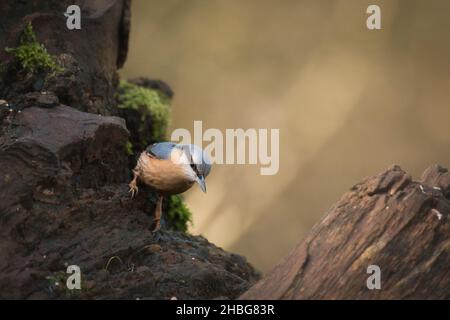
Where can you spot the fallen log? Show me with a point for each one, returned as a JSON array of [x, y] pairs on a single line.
[[388, 223]]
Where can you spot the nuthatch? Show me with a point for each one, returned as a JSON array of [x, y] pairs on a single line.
[[169, 169]]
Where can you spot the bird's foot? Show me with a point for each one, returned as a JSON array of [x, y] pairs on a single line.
[[157, 226], [159, 235], [158, 217], [160, 232], [133, 188]]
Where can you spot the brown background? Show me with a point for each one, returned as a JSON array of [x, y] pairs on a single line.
[[348, 101]]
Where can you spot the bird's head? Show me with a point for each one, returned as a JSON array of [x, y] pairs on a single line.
[[196, 162]]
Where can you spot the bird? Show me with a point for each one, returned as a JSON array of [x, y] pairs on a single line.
[[169, 168]]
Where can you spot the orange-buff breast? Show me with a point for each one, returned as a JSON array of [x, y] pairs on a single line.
[[164, 176]]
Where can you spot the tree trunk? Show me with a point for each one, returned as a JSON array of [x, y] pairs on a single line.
[[64, 173], [389, 221], [90, 56]]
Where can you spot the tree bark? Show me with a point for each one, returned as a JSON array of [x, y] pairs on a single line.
[[387, 220], [64, 173], [90, 56]]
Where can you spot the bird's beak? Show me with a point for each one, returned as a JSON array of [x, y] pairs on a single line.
[[201, 181]]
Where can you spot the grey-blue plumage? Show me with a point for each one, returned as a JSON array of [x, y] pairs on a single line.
[[170, 168], [161, 150], [197, 158]]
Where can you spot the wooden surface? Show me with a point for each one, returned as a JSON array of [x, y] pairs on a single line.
[[90, 56], [387, 220]]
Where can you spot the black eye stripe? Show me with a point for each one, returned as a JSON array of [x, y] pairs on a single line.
[[194, 167]]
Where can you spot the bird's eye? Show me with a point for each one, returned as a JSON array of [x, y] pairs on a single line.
[[194, 168]]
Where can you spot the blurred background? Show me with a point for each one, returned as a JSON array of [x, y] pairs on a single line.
[[348, 101]]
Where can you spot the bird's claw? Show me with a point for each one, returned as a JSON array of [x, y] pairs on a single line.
[[133, 189], [157, 226], [159, 232], [159, 235]]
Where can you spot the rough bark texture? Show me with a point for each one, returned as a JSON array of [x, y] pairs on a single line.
[[387, 220], [64, 200], [90, 56], [42, 146], [64, 173]]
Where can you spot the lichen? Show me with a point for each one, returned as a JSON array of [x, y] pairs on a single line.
[[178, 214], [149, 102], [32, 55]]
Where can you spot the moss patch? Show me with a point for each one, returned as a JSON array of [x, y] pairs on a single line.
[[57, 283], [148, 102], [32, 55], [149, 109], [178, 214], [129, 148]]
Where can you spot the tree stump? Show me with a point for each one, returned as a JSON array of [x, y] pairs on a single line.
[[64, 172], [90, 56], [388, 220]]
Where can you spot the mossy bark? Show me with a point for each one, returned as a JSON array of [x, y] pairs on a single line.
[[90, 56]]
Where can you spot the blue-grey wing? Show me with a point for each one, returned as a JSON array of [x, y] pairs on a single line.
[[161, 150]]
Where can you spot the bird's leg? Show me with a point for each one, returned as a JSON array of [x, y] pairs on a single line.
[[158, 213], [133, 184]]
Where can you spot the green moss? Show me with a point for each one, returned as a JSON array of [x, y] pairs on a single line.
[[32, 55], [129, 148], [57, 279], [156, 105], [178, 214], [57, 282], [150, 102]]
